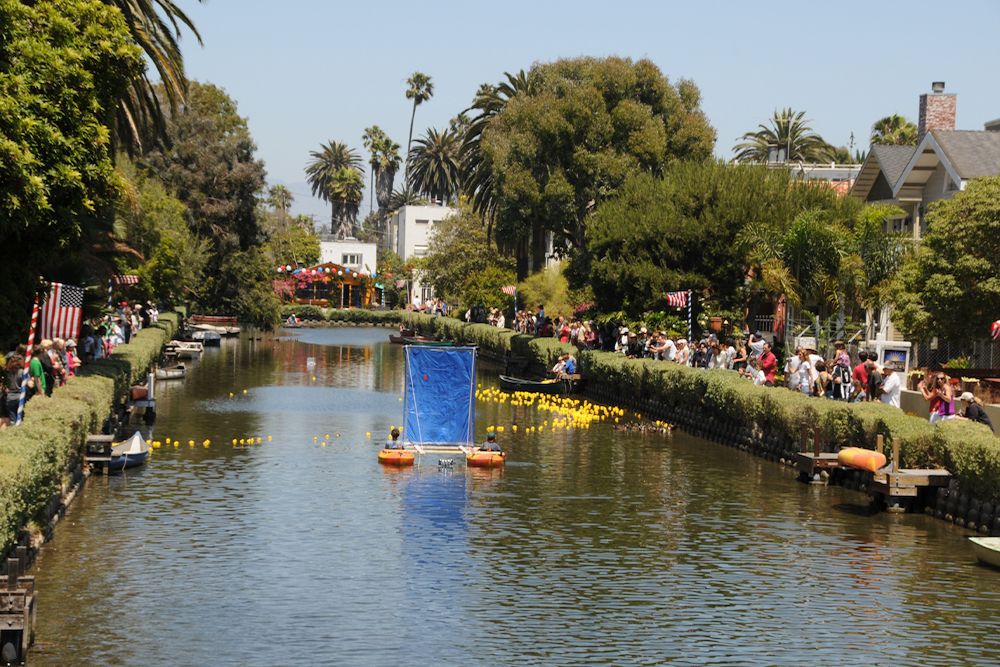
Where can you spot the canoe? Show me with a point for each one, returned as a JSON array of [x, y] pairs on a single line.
[[395, 457], [207, 338], [987, 549], [477, 458], [221, 330], [173, 373], [863, 459], [129, 453], [185, 349], [395, 340], [420, 340], [512, 384], [219, 320]]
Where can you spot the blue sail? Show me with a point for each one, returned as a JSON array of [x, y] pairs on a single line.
[[440, 395]]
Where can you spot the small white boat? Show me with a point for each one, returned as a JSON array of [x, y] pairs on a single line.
[[185, 349], [987, 549], [310, 362], [207, 338], [173, 373], [129, 453]]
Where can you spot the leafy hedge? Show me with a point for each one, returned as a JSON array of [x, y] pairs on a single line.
[[36, 455], [354, 315], [969, 450]]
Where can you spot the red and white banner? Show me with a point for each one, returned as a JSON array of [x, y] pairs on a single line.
[[401, 283], [62, 311], [509, 290], [677, 299], [995, 330], [125, 279]]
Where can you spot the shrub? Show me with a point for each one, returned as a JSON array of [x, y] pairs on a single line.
[[305, 312], [35, 456]]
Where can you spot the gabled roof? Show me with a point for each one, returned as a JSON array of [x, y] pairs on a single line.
[[887, 161], [973, 153], [963, 154]]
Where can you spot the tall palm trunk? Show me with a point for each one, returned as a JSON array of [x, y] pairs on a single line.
[[409, 143], [371, 191]]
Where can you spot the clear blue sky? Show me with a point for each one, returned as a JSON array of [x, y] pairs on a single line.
[[307, 71]]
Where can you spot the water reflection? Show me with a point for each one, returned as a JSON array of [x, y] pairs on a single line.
[[591, 547]]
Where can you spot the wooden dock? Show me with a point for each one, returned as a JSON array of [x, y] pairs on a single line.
[[812, 465], [897, 487], [17, 611], [97, 451]]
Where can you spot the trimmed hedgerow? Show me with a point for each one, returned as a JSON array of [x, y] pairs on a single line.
[[353, 315], [35, 456]]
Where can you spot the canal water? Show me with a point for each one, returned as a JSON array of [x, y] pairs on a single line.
[[591, 547]]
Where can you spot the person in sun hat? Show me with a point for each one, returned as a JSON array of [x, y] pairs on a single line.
[[890, 388], [974, 409]]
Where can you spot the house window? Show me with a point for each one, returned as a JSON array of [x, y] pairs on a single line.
[[350, 259], [426, 294], [423, 222], [419, 250]]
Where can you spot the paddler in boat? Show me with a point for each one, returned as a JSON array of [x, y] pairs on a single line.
[[394, 443], [491, 444]]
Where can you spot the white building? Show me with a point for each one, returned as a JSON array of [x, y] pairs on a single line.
[[349, 253], [410, 231]]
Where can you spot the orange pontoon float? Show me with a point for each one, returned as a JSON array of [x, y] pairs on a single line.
[[863, 459]]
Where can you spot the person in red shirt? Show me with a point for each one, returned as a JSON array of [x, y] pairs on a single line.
[[860, 373], [769, 364]]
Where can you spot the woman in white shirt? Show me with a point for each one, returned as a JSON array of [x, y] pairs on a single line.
[[805, 373]]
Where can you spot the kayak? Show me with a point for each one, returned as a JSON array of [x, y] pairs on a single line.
[[478, 458], [395, 457]]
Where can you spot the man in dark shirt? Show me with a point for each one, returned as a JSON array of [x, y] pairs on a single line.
[[769, 364], [860, 373]]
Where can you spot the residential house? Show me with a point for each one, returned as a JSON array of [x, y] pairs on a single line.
[[942, 162], [410, 230]]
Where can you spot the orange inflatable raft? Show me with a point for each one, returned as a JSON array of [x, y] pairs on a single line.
[[478, 458], [395, 457], [865, 459]]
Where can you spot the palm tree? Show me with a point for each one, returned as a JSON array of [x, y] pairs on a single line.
[[280, 198], [372, 139], [346, 192], [436, 165], [787, 130], [155, 26], [329, 177], [385, 171], [894, 130], [421, 89], [477, 172]]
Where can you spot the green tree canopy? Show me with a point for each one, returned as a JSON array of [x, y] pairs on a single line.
[[705, 226], [63, 66], [950, 287], [570, 138], [462, 264]]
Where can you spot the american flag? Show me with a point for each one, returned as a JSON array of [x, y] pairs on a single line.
[[509, 290], [401, 283], [62, 311], [996, 330], [125, 279], [677, 299]]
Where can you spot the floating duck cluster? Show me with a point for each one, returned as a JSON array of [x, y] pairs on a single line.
[[246, 441], [657, 426], [567, 413]]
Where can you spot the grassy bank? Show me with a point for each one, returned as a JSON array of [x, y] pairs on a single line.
[[35, 456], [736, 409]]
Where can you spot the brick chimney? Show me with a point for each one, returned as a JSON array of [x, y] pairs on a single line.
[[937, 110]]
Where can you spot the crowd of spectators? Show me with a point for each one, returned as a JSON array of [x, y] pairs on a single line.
[[54, 361]]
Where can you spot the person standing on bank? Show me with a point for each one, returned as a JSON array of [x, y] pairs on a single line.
[[890, 388]]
